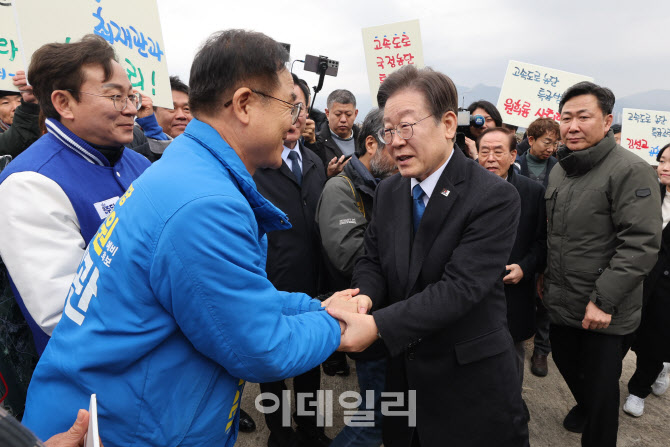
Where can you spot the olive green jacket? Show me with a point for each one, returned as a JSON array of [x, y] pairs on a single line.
[[603, 234]]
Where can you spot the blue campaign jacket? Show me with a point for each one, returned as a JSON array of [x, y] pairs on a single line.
[[171, 310]]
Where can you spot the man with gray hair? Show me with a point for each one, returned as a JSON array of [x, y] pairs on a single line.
[[435, 251], [338, 141]]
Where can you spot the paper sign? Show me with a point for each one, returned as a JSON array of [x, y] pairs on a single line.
[[645, 132], [10, 57], [390, 47], [92, 438], [132, 27], [530, 92]]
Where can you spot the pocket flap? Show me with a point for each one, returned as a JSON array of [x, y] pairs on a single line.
[[482, 347]]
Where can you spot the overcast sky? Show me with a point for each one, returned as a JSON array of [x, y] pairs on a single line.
[[622, 45]]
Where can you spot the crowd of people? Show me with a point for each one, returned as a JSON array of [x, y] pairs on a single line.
[[161, 258]]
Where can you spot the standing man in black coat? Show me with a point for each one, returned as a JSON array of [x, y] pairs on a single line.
[[294, 258], [338, 141], [435, 279], [496, 150]]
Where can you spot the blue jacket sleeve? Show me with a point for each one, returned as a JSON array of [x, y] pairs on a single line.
[[208, 272], [151, 128]]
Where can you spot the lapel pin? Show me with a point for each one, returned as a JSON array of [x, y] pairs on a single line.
[[445, 192]]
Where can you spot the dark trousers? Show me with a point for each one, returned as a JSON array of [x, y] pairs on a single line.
[[541, 341], [651, 344], [590, 364], [307, 383]]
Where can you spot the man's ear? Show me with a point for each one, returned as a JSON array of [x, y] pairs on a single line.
[[327, 112], [531, 140], [242, 104], [355, 113], [450, 121], [63, 101], [371, 145]]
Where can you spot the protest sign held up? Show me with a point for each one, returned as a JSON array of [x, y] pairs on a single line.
[[389, 47], [132, 28], [531, 91], [10, 59], [645, 132]]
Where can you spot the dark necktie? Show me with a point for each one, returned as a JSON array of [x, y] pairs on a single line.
[[418, 206], [295, 166]]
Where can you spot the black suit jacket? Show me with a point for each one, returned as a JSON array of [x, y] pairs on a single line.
[[440, 307], [326, 147], [294, 255], [659, 277], [530, 252]]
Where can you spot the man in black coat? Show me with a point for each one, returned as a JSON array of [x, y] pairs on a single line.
[[338, 141], [294, 258], [496, 150], [437, 295]]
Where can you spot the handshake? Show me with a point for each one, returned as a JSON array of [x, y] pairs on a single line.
[[358, 329]]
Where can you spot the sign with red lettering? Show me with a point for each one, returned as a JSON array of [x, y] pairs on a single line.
[[530, 92], [390, 47], [645, 132]]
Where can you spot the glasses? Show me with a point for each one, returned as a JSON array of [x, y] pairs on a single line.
[[295, 108], [120, 101], [403, 130]]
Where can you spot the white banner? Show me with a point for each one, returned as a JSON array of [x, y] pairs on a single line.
[[132, 27], [10, 57], [645, 132], [530, 92], [389, 47]]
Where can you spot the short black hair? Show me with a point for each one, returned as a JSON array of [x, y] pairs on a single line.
[[489, 108], [371, 124], [177, 85], [227, 61], [660, 153], [59, 66], [437, 88], [604, 95], [303, 86], [616, 128], [341, 96]]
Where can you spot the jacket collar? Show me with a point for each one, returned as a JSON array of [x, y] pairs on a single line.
[[360, 176], [576, 163], [75, 143], [268, 216]]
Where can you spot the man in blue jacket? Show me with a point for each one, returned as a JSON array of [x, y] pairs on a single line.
[[171, 311]]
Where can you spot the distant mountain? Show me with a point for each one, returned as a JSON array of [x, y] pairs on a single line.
[[650, 100], [468, 95]]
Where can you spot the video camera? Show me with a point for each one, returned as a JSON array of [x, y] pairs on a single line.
[[465, 120]]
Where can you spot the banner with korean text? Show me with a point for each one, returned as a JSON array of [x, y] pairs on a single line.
[[388, 48], [530, 92], [10, 59], [645, 132], [132, 27]]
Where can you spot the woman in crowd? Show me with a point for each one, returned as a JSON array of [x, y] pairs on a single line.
[[651, 347]]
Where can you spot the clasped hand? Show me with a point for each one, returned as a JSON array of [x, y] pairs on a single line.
[[358, 329]]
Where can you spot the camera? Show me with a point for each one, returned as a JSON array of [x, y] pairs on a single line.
[[465, 121]]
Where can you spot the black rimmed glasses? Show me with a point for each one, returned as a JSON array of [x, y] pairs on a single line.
[[403, 130], [120, 101], [295, 108]]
